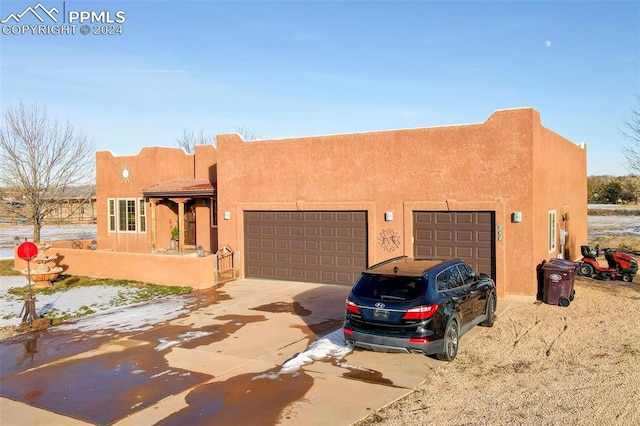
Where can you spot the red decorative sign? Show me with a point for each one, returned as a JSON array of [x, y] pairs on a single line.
[[27, 251]]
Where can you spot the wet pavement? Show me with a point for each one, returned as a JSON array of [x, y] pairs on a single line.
[[251, 352], [103, 388]]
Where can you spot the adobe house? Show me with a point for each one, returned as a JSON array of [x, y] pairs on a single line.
[[140, 198], [145, 196], [499, 194]]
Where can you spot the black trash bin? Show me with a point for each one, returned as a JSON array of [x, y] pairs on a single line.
[[559, 275]]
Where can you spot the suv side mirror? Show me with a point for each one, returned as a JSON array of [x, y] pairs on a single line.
[[484, 276]]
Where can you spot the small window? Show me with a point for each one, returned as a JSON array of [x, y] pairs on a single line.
[[142, 215], [552, 230], [111, 203], [214, 213]]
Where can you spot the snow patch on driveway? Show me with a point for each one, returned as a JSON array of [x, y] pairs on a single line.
[[330, 346]]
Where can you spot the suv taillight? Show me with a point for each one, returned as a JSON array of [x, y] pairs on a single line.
[[421, 312], [352, 307]]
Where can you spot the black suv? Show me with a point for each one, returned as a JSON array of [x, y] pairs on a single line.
[[421, 306]]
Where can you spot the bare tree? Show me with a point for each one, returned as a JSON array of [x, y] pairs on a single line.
[[188, 139], [631, 132], [42, 163]]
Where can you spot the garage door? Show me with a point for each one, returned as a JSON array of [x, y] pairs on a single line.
[[312, 246], [467, 235]]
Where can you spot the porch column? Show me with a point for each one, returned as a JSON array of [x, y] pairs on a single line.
[[180, 223], [154, 224]]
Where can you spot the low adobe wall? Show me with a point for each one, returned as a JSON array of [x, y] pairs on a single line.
[[192, 271]]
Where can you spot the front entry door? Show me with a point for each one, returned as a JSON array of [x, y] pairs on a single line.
[[190, 224]]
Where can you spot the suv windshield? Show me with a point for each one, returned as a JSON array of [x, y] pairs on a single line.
[[382, 287]]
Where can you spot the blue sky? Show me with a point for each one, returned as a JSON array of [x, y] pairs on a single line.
[[299, 68]]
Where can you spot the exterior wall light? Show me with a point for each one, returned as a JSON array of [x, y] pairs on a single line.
[[227, 215], [388, 216], [16, 241], [199, 251], [93, 245], [516, 217]]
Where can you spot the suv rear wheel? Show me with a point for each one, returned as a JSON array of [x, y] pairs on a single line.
[[451, 336], [490, 311]]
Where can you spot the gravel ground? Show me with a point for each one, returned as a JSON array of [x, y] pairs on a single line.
[[540, 365]]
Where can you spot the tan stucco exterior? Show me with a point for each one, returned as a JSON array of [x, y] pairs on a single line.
[[150, 167], [509, 164]]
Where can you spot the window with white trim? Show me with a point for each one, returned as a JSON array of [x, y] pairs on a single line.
[[142, 216], [127, 215], [552, 230], [111, 203]]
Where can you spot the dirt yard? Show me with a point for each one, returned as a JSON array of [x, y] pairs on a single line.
[[540, 365]]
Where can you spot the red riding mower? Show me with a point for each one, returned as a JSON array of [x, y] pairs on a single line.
[[621, 266]]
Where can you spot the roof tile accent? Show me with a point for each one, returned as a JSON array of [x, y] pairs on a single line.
[[181, 187]]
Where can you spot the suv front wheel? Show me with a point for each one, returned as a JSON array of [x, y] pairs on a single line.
[[451, 336]]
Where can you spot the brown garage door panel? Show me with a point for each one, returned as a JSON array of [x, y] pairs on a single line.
[[464, 252], [316, 246], [467, 235]]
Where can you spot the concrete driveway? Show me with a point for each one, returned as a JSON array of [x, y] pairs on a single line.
[[228, 360]]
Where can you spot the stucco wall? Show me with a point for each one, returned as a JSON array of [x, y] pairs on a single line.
[[149, 167], [560, 184], [510, 163], [206, 159], [486, 166], [145, 267]]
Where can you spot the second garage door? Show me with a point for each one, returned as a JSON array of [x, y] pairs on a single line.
[[311, 246], [468, 235]]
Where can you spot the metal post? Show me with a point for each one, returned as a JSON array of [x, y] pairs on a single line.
[[29, 301]]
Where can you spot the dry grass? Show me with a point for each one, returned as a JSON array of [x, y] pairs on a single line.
[[630, 242], [614, 212], [6, 268]]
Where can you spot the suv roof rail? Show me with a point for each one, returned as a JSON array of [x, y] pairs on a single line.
[[384, 262]]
